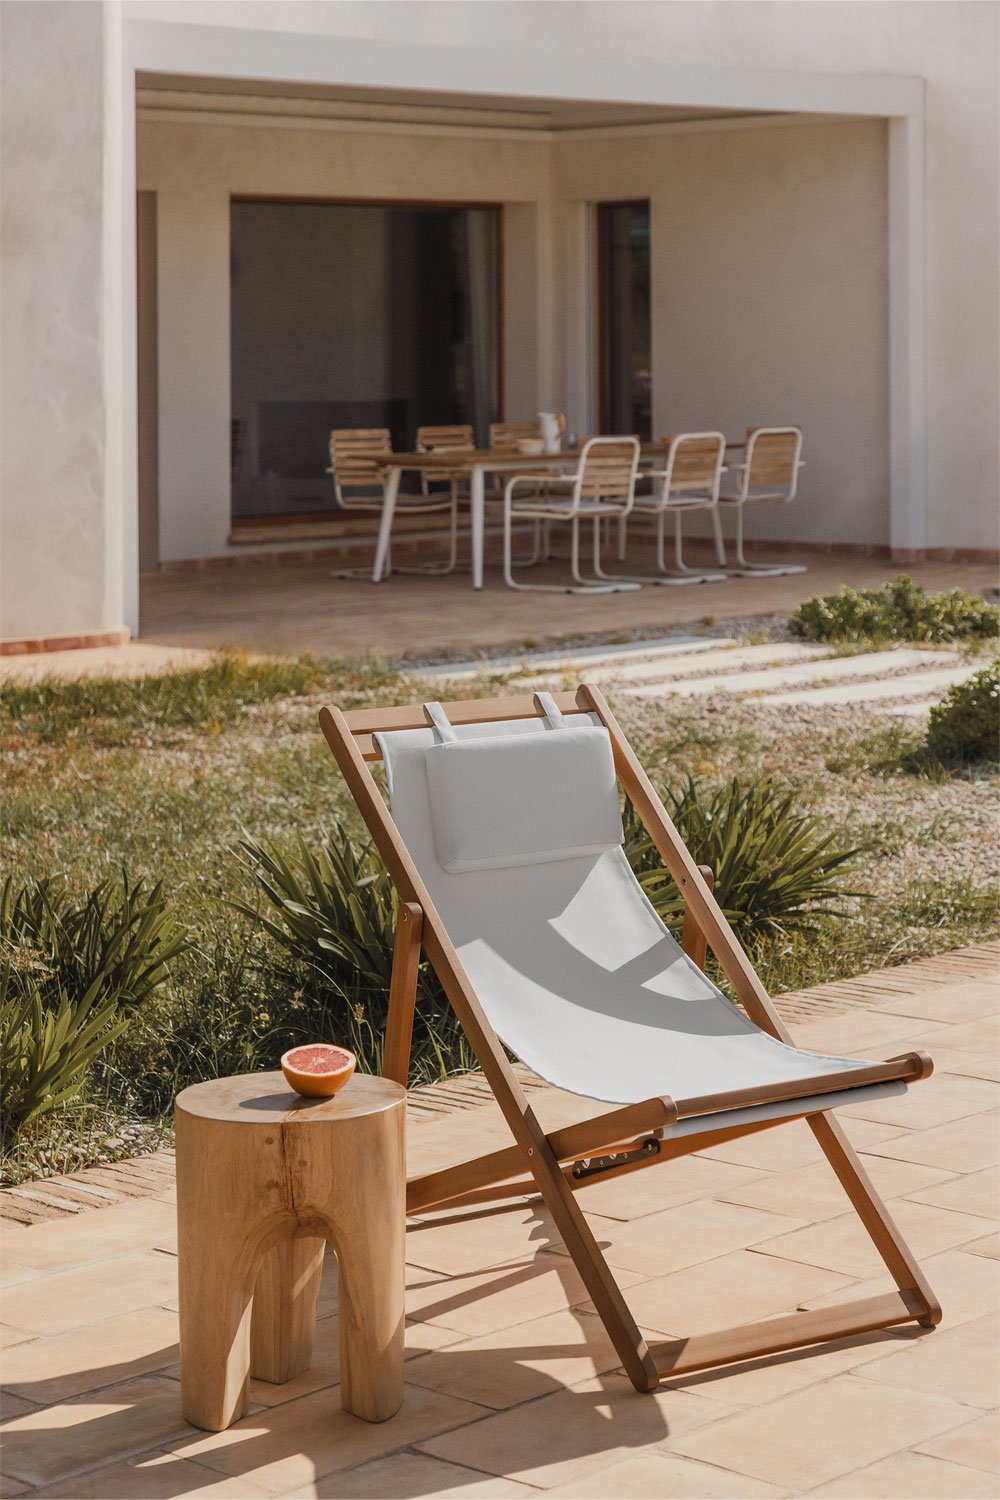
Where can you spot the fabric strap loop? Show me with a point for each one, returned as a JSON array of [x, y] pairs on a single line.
[[550, 708], [439, 719]]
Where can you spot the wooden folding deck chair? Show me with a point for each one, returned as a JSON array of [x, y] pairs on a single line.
[[504, 843]]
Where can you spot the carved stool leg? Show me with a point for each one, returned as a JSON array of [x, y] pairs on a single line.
[[284, 1309]]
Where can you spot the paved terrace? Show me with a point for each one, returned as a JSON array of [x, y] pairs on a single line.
[[513, 1389]]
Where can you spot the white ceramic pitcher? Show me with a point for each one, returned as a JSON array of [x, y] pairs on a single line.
[[549, 424]]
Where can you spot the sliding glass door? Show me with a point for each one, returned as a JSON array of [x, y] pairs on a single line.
[[625, 351], [354, 315]]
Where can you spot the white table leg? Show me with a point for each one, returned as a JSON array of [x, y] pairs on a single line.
[[477, 506], [385, 525]]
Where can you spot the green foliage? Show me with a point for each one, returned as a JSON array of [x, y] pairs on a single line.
[[898, 611], [965, 726], [777, 869], [117, 939], [48, 1040]]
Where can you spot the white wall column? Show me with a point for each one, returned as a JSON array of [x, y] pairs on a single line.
[[907, 338]]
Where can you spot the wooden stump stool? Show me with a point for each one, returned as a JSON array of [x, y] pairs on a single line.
[[264, 1179]]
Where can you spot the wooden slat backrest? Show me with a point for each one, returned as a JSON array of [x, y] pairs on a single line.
[[459, 437], [772, 456], [608, 468], [353, 454], [505, 436], [364, 723], [694, 459]]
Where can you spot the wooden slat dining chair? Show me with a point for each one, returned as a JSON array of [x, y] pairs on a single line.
[[768, 475], [359, 485], [688, 481]]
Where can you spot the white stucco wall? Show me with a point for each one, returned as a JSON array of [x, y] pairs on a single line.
[[60, 494]]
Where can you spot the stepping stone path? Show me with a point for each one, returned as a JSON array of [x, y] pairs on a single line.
[[900, 680]]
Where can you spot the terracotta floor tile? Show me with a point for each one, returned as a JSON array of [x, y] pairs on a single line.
[[976, 1444], [556, 1440], [844, 1244], [793, 1145], [505, 1295], [687, 1235], [9, 1488], [97, 1234], [93, 1293], [285, 1447], [968, 1145], [85, 1359], [517, 1364], [156, 1476], [982, 1036], [962, 1362], [666, 1185], [943, 1097], [988, 1245], [658, 1474], [11, 1274], [410, 1474], [12, 1406], [814, 1435], [950, 1004], [10, 1336], [967, 1064], [471, 1240], [759, 1381], [736, 1288], [860, 1033], [971, 1193], [911, 1476], [57, 1441], [967, 1286], [814, 1193]]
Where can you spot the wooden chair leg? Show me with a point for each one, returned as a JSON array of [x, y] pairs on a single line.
[[402, 993], [284, 1309]]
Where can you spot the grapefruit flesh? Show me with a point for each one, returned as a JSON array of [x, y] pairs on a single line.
[[318, 1070]]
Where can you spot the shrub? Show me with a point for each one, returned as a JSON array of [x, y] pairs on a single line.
[[899, 611], [777, 870], [965, 726]]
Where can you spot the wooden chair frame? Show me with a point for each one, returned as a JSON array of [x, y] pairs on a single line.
[[551, 1163]]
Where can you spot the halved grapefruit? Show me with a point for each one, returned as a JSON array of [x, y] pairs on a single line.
[[318, 1069]]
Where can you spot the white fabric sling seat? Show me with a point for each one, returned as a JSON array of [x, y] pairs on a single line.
[[569, 959], [505, 845]]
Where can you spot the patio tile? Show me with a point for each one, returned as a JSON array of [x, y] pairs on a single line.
[[90, 1294], [948, 1003], [814, 1435], [12, 1406], [976, 1444], [57, 1441], [657, 1474], [966, 1145], [11, 1274], [517, 1364], [410, 1474], [557, 1439], [944, 1097], [756, 1382], [9, 1488], [156, 1476], [117, 1229], [467, 1240], [989, 1245], [736, 1288], [967, 1064], [285, 1447], [982, 1036], [664, 1186], [967, 1286], [962, 1362], [505, 1295], [972, 1193], [688, 1235], [911, 1476], [793, 1144], [814, 1193], [862, 1031], [844, 1245], [9, 1336], [55, 1369]]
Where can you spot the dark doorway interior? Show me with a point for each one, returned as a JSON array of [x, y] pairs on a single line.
[[626, 381]]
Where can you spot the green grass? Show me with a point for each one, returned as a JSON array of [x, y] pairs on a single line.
[[165, 776]]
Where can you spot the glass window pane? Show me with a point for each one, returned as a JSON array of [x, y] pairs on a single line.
[[354, 315], [626, 343]]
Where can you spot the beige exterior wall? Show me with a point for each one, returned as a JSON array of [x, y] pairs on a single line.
[[195, 169]]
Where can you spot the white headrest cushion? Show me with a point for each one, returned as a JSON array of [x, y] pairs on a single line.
[[523, 799]]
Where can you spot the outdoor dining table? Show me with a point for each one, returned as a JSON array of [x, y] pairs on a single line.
[[475, 464]]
